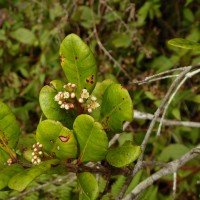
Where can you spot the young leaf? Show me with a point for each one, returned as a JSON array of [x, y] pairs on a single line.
[[7, 173], [183, 43], [4, 156], [123, 155], [98, 93], [116, 108], [21, 180], [88, 186], [56, 139], [91, 137], [50, 107], [9, 130], [78, 63]]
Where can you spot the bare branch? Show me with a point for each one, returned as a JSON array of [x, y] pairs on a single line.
[[152, 124], [166, 122], [170, 168], [71, 178], [160, 76], [188, 75]]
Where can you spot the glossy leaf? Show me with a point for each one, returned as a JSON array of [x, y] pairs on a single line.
[[116, 108], [21, 180], [7, 173], [183, 43], [4, 156], [98, 93], [50, 107], [25, 145], [91, 137], [56, 139], [78, 63], [123, 155], [88, 187], [9, 129]]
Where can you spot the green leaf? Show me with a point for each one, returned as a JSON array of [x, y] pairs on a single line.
[[23, 35], [56, 139], [116, 108], [85, 16], [123, 155], [21, 180], [4, 156], [172, 152], [98, 93], [25, 145], [88, 132], [9, 130], [122, 40], [7, 173], [78, 63], [88, 186], [183, 43], [50, 107]]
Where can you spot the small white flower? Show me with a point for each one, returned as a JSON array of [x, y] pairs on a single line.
[[84, 94], [62, 106], [69, 84], [66, 95], [73, 85], [40, 146], [94, 105], [80, 100], [73, 95], [89, 110], [60, 102], [93, 98], [34, 157], [66, 106], [40, 152]]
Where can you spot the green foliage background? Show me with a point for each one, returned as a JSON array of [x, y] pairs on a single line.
[[134, 33]]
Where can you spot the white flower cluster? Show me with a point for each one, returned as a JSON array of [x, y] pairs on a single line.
[[91, 102], [37, 153], [66, 98], [9, 161]]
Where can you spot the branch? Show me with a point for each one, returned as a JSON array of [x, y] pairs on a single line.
[[188, 75], [166, 122], [164, 75], [71, 178], [170, 168], [149, 131]]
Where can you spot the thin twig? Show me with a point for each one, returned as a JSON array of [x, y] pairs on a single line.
[[188, 75], [157, 79], [57, 180], [149, 78], [170, 168], [174, 185], [166, 122], [101, 46], [149, 131]]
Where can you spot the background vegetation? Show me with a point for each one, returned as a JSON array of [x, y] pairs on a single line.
[[128, 39]]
